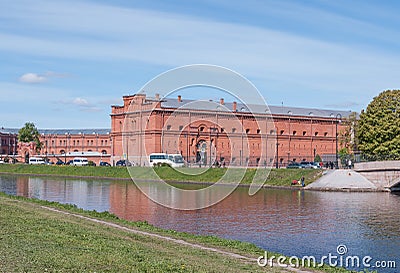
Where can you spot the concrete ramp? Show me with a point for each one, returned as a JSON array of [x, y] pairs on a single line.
[[342, 180]]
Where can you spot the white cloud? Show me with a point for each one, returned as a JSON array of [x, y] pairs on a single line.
[[38, 78], [80, 102], [32, 78]]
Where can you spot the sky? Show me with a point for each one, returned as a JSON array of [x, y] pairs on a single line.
[[64, 63]]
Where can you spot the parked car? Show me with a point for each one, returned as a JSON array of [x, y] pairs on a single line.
[[1, 161], [70, 162], [306, 164], [294, 165], [316, 165], [103, 163], [60, 162], [123, 163]]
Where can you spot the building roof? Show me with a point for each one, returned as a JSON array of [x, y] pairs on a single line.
[[8, 130], [254, 108], [74, 131], [60, 131]]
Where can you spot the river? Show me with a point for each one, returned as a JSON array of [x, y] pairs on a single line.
[[300, 223]]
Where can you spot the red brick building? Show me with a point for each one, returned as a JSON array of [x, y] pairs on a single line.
[[8, 142], [205, 132], [63, 144]]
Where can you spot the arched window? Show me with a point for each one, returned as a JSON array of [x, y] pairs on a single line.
[[104, 152]]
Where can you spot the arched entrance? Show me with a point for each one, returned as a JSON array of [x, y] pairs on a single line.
[[201, 153], [205, 152]]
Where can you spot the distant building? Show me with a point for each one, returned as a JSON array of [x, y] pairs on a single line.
[[95, 144], [229, 133], [63, 144], [8, 142]]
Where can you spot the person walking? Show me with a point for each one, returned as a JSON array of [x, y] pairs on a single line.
[[302, 181]]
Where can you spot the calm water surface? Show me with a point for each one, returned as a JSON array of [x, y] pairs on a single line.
[[285, 221]]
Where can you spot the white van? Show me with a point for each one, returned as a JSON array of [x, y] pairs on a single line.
[[80, 161], [36, 161], [176, 160]]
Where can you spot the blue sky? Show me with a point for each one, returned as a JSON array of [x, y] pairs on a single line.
[[63, 63]]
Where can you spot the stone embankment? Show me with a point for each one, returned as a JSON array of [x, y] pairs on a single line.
[[343, 180]]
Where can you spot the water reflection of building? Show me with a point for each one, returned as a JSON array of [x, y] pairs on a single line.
[[238, 209], [128, 202], [85, 194]]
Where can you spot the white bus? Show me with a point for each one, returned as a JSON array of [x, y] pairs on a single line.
[[174, 160], [36, 161]]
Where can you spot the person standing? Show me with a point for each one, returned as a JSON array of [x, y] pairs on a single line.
[[302, 181]]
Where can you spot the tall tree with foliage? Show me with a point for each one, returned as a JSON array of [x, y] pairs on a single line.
[[30, 133], [378, 130]]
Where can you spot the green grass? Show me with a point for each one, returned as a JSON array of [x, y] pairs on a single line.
[[87, 171], [276, 177], [33, 239]]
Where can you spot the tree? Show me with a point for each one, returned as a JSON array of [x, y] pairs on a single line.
[[30, 133], [317, 158], [378, 130]]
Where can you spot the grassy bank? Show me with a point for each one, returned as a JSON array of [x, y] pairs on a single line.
[[34, 239], [276, 177]]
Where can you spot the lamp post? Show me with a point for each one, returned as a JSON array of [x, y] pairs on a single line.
[[315, 152], [338, 115], [277, 148]]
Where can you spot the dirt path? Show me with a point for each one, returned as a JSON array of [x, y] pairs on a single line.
[[177, 241]]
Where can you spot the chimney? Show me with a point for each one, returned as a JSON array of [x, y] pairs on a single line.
[[221, 101], [234, 106], [179, 98], [157, 96]]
